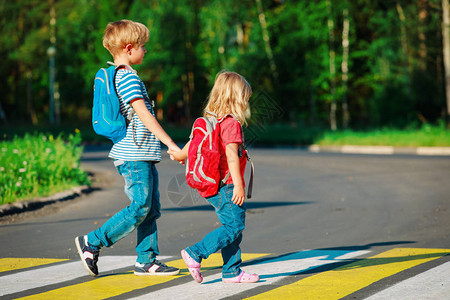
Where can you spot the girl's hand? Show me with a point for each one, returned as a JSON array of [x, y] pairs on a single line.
[[238, 195], [176, 155], [179, 155], [173, 149]]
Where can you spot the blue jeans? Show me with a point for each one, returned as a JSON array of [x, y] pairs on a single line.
[[227, 237], [141, 187]]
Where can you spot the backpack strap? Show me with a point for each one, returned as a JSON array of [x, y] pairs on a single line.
[[129, 117], [224, 180], [252, 169], [250, 182], [117, 68]]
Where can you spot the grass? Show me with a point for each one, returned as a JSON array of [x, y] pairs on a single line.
[[40, 165], [284, 134], [427, 136]]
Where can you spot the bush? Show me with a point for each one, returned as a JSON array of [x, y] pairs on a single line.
[[40, 165]]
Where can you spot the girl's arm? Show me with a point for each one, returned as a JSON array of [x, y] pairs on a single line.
[[152, 124], [235, 171], [180, 155]]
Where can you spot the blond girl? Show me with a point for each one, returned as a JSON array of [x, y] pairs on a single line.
[[228, 100]]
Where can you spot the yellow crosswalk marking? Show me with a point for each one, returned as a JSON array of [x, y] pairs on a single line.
[[9, 264], [352, 277], [116, 284]]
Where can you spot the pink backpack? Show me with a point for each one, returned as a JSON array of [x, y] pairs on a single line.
[[202, 165]]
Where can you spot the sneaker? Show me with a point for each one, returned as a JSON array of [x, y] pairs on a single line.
[[155, 268], [242, 278], [193, 266], [88, 256]]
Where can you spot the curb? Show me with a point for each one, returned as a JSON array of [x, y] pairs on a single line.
[[33, 204], [382, 150]]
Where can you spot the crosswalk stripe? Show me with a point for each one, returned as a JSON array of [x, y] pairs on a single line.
[[110, 286], [270, 271], [437, 286], [335, 284], [350, 278], [26, 280], [9, 264]]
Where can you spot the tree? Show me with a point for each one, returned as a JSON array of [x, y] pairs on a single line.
[[384, 63], [446, 51], [332, 68], [344, 66]]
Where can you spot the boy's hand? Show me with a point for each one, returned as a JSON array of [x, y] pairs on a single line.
[[238, 195], [179, 155], [176, 155], [173, 149]]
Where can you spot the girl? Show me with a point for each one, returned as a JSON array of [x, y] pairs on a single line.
[[229, 100]]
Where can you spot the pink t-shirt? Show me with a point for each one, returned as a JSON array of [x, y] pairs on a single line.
[[230, 132]]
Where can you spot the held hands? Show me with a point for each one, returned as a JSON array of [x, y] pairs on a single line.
[[238, 195], [176, 155]]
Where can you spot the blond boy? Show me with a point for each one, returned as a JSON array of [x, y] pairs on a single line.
[[134, 157]]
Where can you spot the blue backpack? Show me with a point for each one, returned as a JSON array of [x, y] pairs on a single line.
[[107, 119]]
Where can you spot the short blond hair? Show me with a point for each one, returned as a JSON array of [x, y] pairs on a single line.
[[120, 33], [229, 95]]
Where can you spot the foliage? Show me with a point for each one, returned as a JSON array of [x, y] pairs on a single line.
[[395, 75], [39, 165]]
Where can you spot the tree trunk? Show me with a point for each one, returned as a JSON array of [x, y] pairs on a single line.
[[404, 43], [446, 50], [2, 114], [332, 66], [344, 67], [423, 51], [30, 106], [265, 32], [312, 100]]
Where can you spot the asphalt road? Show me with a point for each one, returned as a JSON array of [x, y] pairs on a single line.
[[301, 200]]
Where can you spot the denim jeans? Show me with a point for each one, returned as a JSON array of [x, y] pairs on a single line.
[[141, 187], [227, 237]]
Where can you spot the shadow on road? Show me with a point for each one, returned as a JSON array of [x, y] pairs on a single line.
[[250, 205], [65, 221], [334, 254]]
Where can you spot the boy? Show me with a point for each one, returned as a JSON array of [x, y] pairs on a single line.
[[134, 157]]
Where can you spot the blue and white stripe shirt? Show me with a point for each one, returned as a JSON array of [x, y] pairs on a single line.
[[147, 146]]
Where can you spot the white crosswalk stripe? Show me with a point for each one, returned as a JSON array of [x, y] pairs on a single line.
[[433, 284], [30, 279], [270, 271]]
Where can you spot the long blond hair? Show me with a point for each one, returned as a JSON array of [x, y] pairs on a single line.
[[229, 95]]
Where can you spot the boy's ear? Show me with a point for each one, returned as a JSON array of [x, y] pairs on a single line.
[[127, 48]]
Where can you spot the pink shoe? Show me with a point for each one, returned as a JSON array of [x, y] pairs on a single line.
[[193, 266], [242, 278]]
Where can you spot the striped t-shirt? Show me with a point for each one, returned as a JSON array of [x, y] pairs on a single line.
[[144, 145]]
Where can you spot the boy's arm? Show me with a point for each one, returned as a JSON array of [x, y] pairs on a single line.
[[235, 171], [152, 124]]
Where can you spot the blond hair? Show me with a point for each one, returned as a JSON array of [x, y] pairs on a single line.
[[120, 33], [229, 95]]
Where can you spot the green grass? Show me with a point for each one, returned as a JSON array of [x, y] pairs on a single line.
[[427, 136], [40, 165]]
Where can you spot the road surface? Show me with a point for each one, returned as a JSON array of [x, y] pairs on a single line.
[[319, 226]]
